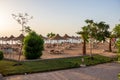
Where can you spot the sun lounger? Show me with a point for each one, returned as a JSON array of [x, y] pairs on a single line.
[[56, 51]]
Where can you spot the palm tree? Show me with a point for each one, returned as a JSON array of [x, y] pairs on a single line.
[[50, 35], [84, 34]]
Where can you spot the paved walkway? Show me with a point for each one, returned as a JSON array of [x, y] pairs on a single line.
[[108, 71]]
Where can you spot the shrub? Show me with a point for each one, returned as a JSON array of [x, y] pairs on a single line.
[[118, 46], [32, 46], [1, 55]]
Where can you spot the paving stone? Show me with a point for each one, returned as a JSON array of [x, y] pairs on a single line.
[[108, 71]]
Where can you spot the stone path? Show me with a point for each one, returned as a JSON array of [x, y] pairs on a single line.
[[108, 71]]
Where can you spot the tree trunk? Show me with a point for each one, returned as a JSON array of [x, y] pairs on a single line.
[[84, 47], [110, 49]]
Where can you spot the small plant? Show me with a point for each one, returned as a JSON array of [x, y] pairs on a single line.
[[32, 46], [1, 55]]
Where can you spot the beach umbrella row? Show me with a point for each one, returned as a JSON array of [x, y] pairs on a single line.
[[56, 37], [20, 37], [65, 37]]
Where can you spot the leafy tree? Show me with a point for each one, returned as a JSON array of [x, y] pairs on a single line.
[[96, 31], [85, 36], [92, 32], [22, 19], [33, 46], [102, 31], [116, 31]]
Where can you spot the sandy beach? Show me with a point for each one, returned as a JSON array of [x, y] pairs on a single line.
[[75, 50]]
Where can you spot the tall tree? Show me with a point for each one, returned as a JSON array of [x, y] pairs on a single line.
[[116, 30], [98, 31], [102, 31], [84, 34], [92, 32], [22, 19]]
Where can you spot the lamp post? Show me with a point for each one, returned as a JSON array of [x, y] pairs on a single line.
[[83, 63]]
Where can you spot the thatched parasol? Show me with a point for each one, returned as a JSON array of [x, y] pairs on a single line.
[[43, 37], [1, 38], [66, 36], [77, 37], [11, 37], [57, 37], [73, 37], [5, 38], [20, 37]]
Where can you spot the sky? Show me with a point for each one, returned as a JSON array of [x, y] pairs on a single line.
[[57, 16]]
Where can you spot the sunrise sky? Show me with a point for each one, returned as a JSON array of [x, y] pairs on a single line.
[[58, 16]]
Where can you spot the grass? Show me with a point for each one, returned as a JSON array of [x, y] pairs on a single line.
[[119, 76], [7, 68], [119, 73]]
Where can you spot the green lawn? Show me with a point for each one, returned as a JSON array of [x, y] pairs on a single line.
[[7, 68]]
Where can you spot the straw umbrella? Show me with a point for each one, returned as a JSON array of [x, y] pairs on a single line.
[[45, 38], [20, 37], [5, 39], [57, 38], [66, 37], [2, 39], [11, 38], [72, 39], [10, 47]]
